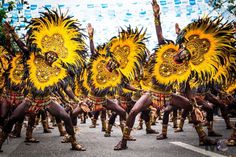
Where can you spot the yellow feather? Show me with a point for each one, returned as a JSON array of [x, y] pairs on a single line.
[[58, 36], [165, 70], [85, 80], [146, 81], [78, 91], [43, 75], [17, 70], [208, 42], [128, 49], [101, 78], [231, 88]]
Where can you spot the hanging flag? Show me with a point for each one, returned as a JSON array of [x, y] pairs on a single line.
[[5, 5], [48, 6], [19, 6], [192, 2], [104, 5], [90, 5], [33, 6]]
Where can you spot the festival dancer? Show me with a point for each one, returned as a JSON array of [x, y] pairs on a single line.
[[104, 72], [231, 101], [59, 40], [205, 105], [13, 95], [172, 64], [126, 102]]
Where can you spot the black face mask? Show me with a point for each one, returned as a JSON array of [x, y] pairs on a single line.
[[111, 65], [51, 57], [182, 56]]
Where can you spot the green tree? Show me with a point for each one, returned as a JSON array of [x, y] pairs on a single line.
[[229, 5]]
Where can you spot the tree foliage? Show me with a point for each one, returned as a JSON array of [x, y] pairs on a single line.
[[229, 5]]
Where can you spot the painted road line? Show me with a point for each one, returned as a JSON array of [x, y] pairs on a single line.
[[196, 149], [219, 118]]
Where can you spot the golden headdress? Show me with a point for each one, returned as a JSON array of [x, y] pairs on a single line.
[[61, 34], [4, 64], [4, 61], [43, 77], [129, 50], [209, 44], [227, 72], [16, 71], [231, 87], [77, 87], [84, 82], [164, 69], [101, 80], [146, 81]]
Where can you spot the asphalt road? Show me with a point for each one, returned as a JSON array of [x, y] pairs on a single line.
[[183, 144]]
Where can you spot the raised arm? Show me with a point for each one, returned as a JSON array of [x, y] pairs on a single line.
[[90, 30], [157, 21], [7, 44], [177, 29], [16, 38]]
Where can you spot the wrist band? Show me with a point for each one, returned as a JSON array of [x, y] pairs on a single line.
[[157, 14], [90, 37], [157, 21]]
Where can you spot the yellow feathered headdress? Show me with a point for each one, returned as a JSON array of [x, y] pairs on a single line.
[[146, 81], [2, 75], [4, 61], [209, 43], [231, 87], [129, 50], [164, 69], [43, 77], [101, 80], [77, 87], [84, 82], [60, 34], [227, 72], [17, 70], [4, 65]]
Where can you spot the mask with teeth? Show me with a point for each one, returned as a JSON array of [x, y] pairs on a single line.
[[112, 64], [182, 56], [51, 57]]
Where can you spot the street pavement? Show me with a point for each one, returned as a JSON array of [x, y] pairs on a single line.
[[183, 144]]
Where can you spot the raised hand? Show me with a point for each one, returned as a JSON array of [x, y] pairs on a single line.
[[90, 30], [84, 107], [177, 29], [155, 7], [8, 28]]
